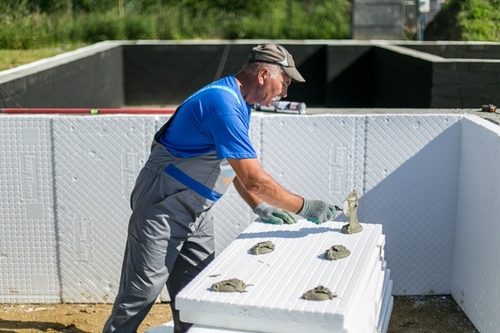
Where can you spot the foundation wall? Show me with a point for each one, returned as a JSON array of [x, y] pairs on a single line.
[[166, 74], [464, 50], [402, 78], [427, 179], [339, 74], [85, 78]]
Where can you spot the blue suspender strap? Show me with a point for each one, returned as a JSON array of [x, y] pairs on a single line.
[[175, 172], [194, 185]]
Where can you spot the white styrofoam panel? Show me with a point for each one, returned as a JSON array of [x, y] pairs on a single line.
[[317, 156], [28, 248], [410, 183], [384, 313], [273, 301], [476, 286], [408, 177], [96, 165], [387, 312], [201, 329], [168, 327]]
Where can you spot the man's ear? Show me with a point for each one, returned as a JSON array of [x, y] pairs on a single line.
[[263, 74]]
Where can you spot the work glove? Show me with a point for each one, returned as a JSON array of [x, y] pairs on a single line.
[[317, 211], [274, 215]]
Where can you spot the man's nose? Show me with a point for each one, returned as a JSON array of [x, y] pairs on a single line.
[[283, 92]]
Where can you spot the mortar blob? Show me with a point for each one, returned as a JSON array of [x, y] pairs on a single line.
[[262, 247], [351, 211], [337, 252], [320, 293], [229, 286]]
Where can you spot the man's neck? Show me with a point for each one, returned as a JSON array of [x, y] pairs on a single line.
[[244, 83]]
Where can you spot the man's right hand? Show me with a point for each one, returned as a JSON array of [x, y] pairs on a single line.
[[317, 211], [274, 215]]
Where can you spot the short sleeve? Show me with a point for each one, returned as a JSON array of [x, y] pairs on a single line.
[[230, 134]]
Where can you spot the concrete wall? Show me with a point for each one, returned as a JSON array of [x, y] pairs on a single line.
[[470, 83], [166, 74], [89, 77], [401, 78], [339, 74], [463, 50], [350, 76]]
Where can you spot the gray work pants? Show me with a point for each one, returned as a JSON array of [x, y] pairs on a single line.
[[170, 241]]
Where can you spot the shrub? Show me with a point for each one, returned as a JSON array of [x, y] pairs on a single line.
[[139, 27], [97, 27], [480, 20]]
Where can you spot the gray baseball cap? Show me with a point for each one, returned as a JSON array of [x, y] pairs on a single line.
[[276, 54]]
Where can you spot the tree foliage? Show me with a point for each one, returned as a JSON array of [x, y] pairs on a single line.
[[466, 20]]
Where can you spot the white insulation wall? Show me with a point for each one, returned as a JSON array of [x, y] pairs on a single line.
[[476, 267], [430, 180]]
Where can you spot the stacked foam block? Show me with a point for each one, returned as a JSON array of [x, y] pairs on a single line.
[[273, 299]]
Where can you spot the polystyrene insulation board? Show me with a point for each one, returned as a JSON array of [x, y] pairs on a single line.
[[476, 283], [28, 254], [273, 302], [96, 164], [386, 308], [405, 168], [318, 156], [410, 183], [382, 321]]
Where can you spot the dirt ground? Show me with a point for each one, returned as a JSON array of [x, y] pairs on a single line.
[[68, 318], [429, 314]]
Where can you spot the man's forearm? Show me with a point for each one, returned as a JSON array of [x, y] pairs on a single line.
[[274, 194], [249, 198], [260, 186]]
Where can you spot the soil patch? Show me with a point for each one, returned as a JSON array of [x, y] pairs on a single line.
[[415, 314], [428, 314], [68, 318]]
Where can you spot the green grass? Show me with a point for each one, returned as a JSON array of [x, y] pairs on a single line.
[[14, 58], [27, 36]]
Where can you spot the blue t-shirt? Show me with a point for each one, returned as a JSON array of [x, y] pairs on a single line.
[[215, 118]]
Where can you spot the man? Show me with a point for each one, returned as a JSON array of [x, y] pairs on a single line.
[[194, 157]]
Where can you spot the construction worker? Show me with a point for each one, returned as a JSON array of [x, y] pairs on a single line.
[[195, 156]]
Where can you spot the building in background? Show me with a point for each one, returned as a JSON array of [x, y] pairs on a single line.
[[377, 19]]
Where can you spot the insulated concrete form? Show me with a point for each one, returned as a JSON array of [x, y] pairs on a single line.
[[90, 77], [475, 283], [428, 179], [339, 74], [29, 256]]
